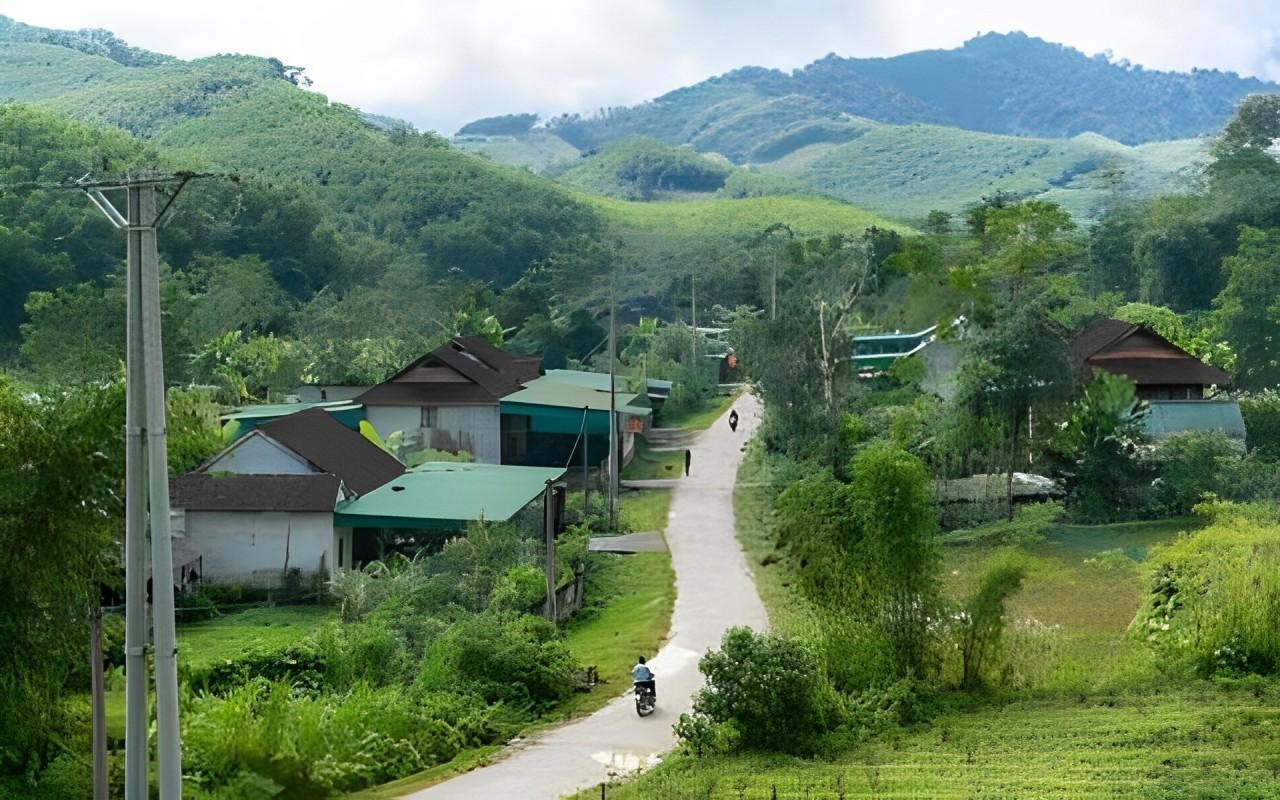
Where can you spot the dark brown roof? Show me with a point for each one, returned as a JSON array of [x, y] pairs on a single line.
[[333, 447], [1141, 354], [199, 491], [466, 370]]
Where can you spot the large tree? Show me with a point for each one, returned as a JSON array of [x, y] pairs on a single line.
[[1249, 307]]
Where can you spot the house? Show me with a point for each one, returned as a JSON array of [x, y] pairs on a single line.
[[448, 398], [437, 499], [873, 353], [1179, 388], [264, 505], [559, 421], [245, 419]]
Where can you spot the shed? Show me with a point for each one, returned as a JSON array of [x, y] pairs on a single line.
[[542, 422], [1165, 418], [446, 496]]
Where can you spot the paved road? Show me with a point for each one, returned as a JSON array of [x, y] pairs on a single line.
[[714, 591]]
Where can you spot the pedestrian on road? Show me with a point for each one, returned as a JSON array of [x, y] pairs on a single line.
[[688, 458], [733, 420]]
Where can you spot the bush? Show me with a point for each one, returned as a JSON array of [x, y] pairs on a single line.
[[767, 689], [519, 589], [1215, 594], [1261, 414], [301, 666], [1191, 466], [1029, 524], [981, 618]]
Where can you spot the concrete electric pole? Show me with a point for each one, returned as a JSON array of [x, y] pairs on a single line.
[[146, 464]]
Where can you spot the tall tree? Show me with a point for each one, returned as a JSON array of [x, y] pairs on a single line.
[[1249, 307]]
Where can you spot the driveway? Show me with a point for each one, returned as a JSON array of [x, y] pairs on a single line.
[[714, 591]]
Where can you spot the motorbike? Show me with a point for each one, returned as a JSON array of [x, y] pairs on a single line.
[[646, 699]]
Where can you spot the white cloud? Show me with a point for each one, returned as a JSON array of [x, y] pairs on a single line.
[[440, 63]]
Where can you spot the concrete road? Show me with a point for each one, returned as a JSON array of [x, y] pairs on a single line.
[[714, 591]]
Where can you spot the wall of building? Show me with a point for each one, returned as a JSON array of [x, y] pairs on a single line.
[[386, 420], [258, 455], [255, 547]]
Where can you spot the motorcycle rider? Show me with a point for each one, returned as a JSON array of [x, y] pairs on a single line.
[[641, 675]]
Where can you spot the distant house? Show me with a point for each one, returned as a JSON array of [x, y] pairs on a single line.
[[264, 505], [875, 352], [561, 418], [448, 399], [1178, 387]]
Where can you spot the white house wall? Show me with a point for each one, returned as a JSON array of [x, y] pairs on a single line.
[[259, 455], [476, 429], [250, 547], [386, 420]]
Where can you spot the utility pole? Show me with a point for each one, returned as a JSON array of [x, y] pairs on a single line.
[[693, 316], [614, 460], [146, 463], [549, 531]]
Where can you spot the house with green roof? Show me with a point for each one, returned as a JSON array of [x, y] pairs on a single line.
[[557, 420]]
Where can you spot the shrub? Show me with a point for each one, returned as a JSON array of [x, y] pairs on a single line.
[[519, 589], [1215, 594], [1261, 414], [1029, 524], [1191, 466], [982, 616], [300, 665], [767, 688]]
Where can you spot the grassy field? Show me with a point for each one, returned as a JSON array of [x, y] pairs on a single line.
[[701, 417], [227, 636], [1081, 710], [650, 464], [645, 509]]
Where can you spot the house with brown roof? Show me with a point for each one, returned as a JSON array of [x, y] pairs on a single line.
[[448, 398], [264, 505], [1180, 389]]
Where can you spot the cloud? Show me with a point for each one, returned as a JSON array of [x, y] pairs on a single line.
[[443, 62]]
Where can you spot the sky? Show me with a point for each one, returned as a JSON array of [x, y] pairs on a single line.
[[441, 63]]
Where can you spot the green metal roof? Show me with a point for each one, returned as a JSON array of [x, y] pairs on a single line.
[[1168, 417], [285, 409], [600, 380], [547, 391], [447, 494]]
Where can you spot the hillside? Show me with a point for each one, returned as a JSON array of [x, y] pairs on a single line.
[[1010, 84]]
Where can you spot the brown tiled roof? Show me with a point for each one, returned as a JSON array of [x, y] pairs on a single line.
[[1149, 359], [335, 448], [199, 491], [486, 374]]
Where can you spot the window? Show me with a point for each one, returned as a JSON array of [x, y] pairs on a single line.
[[430, 417], [341, 542]]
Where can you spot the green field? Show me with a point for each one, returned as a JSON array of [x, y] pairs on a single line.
[[1081, 710], [905, 171], [230, 635], [701, 417], [645, 509]]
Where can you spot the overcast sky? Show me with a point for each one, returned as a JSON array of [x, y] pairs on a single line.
[[440, 63]]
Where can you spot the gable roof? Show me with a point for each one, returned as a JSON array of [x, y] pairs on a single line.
[[200, 491], [332, 447], [465, 370], [1141, 354]]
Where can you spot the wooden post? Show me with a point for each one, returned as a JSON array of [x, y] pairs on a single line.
[[549, 530], [98, 690]]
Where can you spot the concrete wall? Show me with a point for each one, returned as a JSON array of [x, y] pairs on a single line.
[[476, 429], [250, 546], [342, 541], [386, 420], [259, 455]]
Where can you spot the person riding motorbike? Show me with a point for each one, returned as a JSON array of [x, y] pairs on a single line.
[[641, 675]]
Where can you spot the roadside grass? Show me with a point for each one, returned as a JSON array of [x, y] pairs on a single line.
[[645, 509], [701, 416], [465, 761], [230, 635], [1209, 742], [649, 464]]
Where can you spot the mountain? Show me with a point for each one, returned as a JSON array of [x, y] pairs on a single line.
[[1009, 84]]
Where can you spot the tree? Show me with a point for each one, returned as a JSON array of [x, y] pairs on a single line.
[[1248, 308], [982, 620], [1247, 143], [1099, 447], [1017, 366], [892, 504], [938, 222]]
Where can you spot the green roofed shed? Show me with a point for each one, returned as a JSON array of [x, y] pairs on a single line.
[[447, 495], [1169, 417], [555, 406]]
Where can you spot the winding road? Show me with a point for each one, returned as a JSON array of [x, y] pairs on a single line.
[[714, 591]]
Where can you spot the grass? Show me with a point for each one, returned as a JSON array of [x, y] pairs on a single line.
[[227, 636], [650, 464], [645, 509], [699, 417], [1104, 723], [1207, 743]]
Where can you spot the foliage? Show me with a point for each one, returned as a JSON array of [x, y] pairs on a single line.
[[1214, 595], [1099, 456], [982, 617], [1261, 414], [767, 689], [1192, 465], [640, 168], [1248, 310], [1028, 526]]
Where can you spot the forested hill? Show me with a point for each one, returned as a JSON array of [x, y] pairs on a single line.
[[998, 83]]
